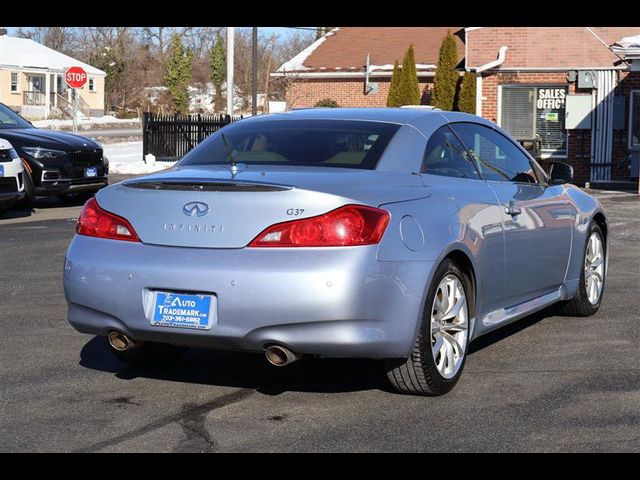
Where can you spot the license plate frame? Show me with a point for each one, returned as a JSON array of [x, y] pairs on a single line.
[[184, 310]]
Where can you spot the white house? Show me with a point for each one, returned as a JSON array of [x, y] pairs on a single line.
[[32, 83]]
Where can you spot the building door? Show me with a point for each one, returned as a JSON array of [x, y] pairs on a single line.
[[35, 91], [36, 83]]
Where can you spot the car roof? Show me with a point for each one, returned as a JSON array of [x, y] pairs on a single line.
[[401, 116], [391, 115]]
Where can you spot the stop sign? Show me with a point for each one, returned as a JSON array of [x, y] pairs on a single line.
[[75, 77]]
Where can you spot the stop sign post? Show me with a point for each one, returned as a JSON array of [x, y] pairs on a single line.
[[75, 77]]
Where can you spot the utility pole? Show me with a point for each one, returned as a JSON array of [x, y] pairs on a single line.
[[230, 34], [254, 67]]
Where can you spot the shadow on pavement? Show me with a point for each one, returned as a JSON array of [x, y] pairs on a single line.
[[245, 370], [501, 333], [42, 203], [16, 212]]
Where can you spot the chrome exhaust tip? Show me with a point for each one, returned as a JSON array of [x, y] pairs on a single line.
[[280, 356], [119, 341]]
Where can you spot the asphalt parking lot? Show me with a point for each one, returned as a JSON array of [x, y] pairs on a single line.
[[546, 383]]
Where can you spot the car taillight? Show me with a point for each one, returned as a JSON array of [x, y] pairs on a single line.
[[346, 226], [96, 222]]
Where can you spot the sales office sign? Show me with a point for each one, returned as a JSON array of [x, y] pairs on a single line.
[[550, 101]]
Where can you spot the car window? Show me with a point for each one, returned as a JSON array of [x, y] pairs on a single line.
[[498, 157], [445, 155], [310, 143], [10, 119]]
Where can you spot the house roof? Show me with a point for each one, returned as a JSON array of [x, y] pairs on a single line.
[[545, 47], [343, 50], [25, 53]]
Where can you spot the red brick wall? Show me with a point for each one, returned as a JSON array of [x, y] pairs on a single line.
[[347, 92], [578, 141], [491, 81]]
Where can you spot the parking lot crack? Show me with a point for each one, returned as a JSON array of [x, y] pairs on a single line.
[[191, 418]]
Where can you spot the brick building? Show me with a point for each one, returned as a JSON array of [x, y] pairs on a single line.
[[565, 86], [562, 85], [334, 66]]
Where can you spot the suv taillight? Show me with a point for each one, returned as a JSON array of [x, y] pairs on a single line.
[[96, 222], [349, 225]]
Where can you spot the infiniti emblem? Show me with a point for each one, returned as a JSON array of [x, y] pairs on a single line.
[[195, 209]]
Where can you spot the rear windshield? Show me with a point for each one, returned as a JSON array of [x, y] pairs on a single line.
[[312, 143]]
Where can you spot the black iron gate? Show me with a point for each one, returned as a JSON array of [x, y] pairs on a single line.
[[170, 137]]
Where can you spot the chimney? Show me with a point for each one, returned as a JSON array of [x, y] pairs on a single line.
[[3, 31]]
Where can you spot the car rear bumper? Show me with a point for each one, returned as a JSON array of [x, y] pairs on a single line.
[[338, 302]]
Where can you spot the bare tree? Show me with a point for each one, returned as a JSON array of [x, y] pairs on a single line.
[[286, 49], [57, 38], [134, 57]]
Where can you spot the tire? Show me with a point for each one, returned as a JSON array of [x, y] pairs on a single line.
[[420, 374], [149, 354], [29, 195], [581, 305]]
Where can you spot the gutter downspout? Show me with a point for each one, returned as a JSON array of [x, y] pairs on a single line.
[[502, 54]]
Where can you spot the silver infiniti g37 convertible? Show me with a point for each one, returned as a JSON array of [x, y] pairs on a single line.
[[393, 234]]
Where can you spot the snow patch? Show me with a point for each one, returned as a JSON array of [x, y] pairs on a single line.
[[26, 53], [85, 122], [297, 62], [627, 46], [126, 158], [628, 42]]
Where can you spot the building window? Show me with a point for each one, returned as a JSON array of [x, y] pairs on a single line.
[[634, 121], [529, 111], [14, 81], [92, 85]]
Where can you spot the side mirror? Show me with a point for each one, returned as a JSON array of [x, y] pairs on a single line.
[[560, 173]]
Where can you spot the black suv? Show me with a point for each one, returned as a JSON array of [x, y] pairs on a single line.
[[56, 163]]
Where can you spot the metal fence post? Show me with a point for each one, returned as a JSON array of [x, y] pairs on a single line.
[[145, 135]]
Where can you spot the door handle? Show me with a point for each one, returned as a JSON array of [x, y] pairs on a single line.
[[512, 209]]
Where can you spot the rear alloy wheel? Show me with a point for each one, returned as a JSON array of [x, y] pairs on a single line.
[[589, 296], [439, 353]]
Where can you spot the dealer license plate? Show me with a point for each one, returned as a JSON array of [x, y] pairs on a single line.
[[184, 310], [91, 172]]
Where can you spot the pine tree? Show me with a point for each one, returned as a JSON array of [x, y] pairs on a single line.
[[178, 74], [409, 89], [218, 71], [446, 78], [393, 99], [467, 94]]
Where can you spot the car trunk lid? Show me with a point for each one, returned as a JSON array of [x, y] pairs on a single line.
[[213, 208]]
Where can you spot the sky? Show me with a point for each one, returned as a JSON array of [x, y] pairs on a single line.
[[283, 31]]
